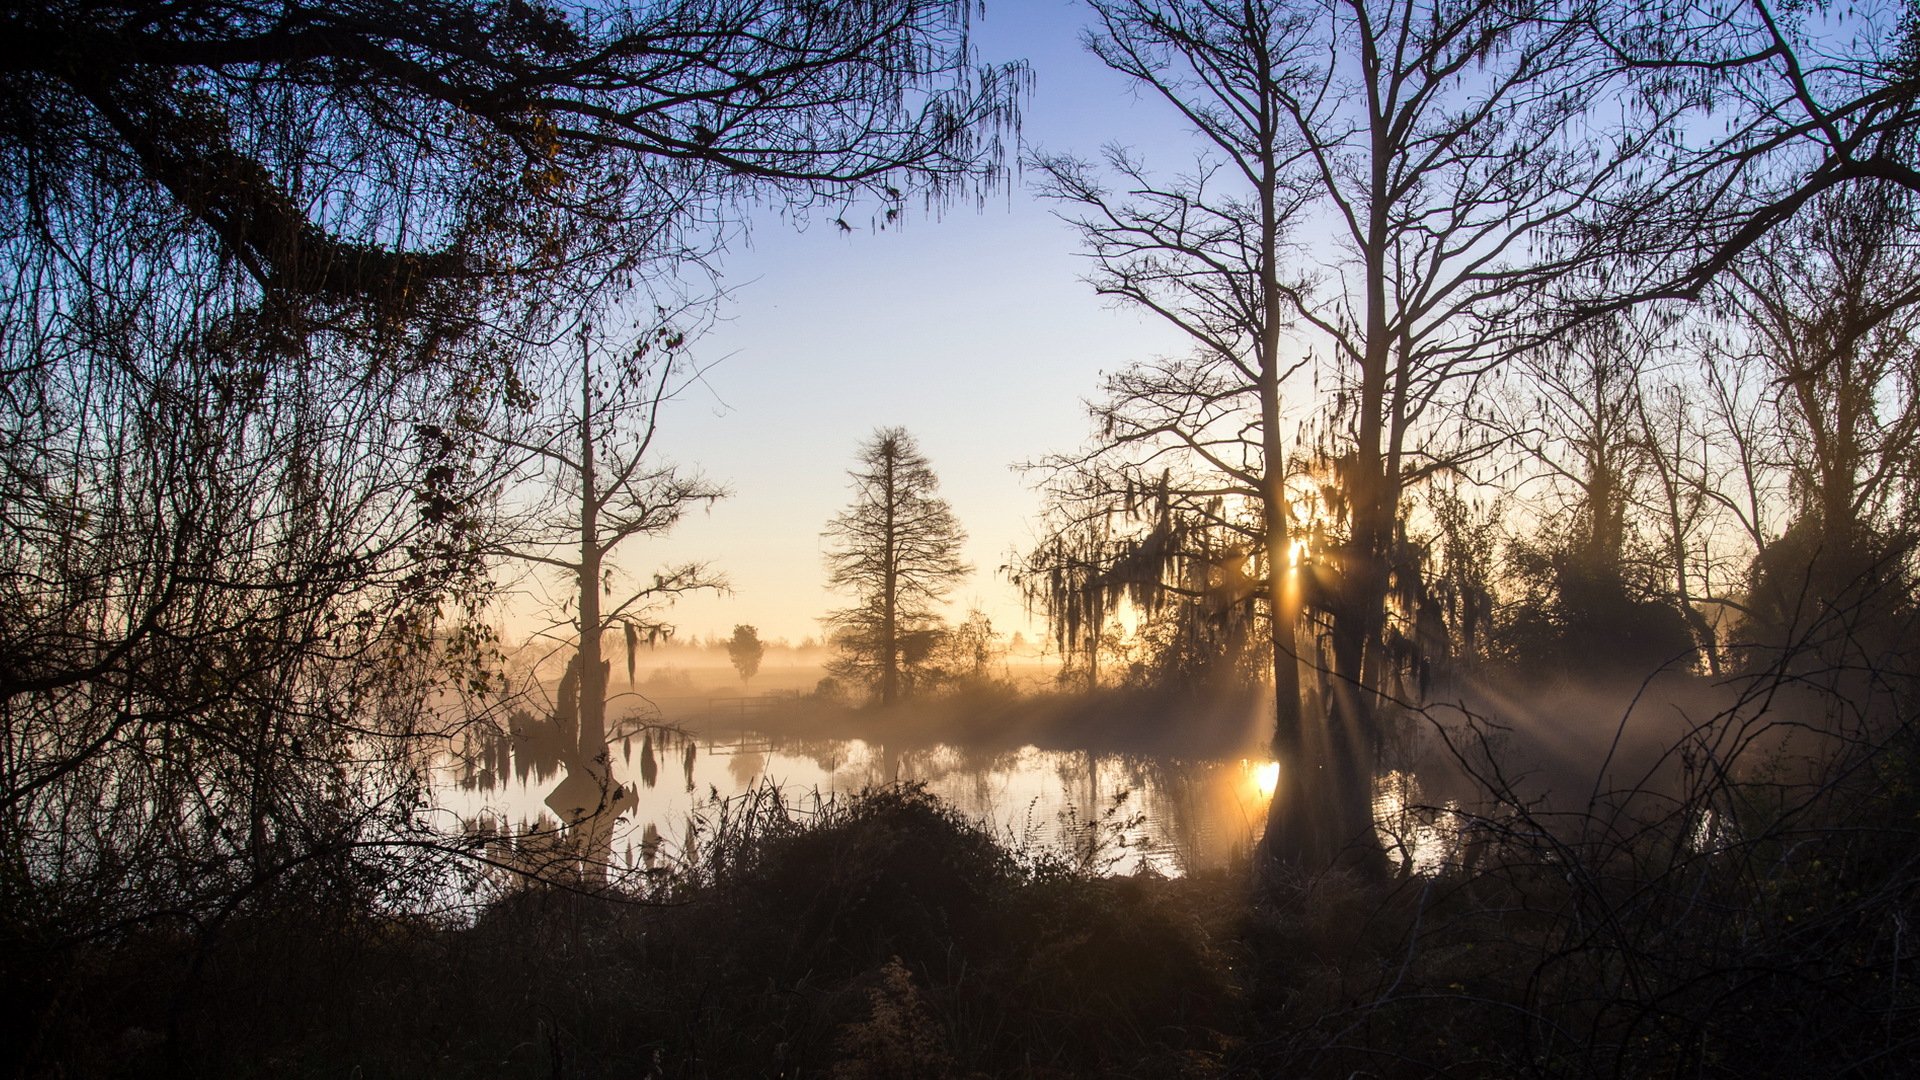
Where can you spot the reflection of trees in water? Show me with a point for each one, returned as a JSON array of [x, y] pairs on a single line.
[[746, 766], [546, 849], [536, 749], [649, 768], [982, 789], [827, 755], [541, 849], [1183, 814], [1419, 836], [533, 751], [1170, 815], [1168, 799], [589, 805], [485, 758]]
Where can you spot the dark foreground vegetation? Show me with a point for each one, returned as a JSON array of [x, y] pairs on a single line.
[[887, 937]]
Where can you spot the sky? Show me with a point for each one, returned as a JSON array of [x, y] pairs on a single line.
[[973, 330]]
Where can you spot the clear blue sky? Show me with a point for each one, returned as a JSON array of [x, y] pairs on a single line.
[[974, 331]]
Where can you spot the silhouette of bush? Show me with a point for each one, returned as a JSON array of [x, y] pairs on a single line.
[[1580, 617], [892, 872]]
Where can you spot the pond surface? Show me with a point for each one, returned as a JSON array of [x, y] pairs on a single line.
[[1112, 813]]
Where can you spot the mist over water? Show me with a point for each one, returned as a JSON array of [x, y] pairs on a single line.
[[1158, 792]]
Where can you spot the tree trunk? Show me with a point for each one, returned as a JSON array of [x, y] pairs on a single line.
[[890, 587], [593, 678]]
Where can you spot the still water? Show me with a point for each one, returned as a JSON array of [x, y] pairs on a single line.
[[1111, 813]]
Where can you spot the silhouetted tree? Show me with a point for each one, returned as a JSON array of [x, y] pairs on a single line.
[[1765, 108], [1591, 602], [1438, 145], [745, 650], [595, 468], [275, 273], [897, 549], [1829, 313]]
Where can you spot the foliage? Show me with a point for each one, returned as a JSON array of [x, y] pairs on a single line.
[[745, 650], [1181, 565], [276, 276], [899, 1039]]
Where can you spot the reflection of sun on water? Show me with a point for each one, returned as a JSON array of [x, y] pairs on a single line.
[[1264, 774], [1169, 816], [1419, 837]]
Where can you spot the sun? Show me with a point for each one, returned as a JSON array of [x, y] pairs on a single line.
[[1265, 776]]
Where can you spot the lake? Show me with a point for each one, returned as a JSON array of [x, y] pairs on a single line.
[[1109, 812]]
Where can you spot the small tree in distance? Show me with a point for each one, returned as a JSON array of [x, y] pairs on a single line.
[[897, 549], [746, 649]]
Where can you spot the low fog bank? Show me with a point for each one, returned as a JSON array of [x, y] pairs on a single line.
[[1566, 744], [1597, 748], [1562, 743], [1198, 723], [695, 688]]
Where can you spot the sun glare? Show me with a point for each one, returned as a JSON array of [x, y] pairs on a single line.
[[1297, 553], [1265, 776]]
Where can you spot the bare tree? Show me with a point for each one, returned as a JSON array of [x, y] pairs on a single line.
[[1766, 108], [1828, 313], [897, 549], [1389, 183], [602, 485]]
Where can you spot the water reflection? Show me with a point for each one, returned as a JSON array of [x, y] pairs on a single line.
[[1110, 812], [1418, 838]]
